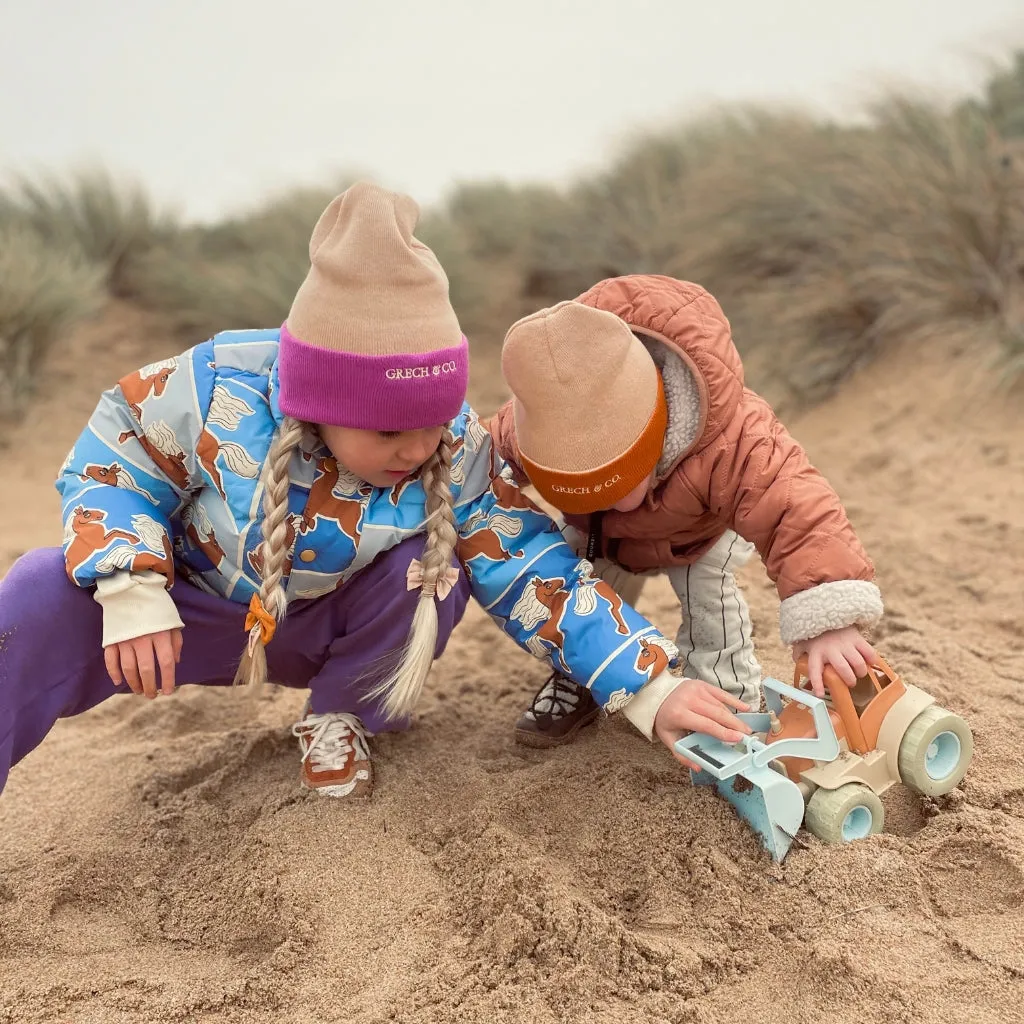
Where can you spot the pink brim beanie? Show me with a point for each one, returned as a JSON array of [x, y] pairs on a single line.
[[372, 341]]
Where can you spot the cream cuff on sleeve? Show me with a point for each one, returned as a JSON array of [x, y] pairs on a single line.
[[836, 605], [645, 705], [134, 604]]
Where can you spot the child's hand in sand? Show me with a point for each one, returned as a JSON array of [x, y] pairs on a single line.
[[696, 706], [135, 661], [844, 649]]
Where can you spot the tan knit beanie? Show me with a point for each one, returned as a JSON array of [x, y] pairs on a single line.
[[372, 340], [589, 405]]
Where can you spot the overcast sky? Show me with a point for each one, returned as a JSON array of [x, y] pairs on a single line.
[[211, 103]]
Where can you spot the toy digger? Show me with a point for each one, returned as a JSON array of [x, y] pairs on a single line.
[[825, 762]]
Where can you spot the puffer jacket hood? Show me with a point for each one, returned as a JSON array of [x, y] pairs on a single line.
[[688, 320]]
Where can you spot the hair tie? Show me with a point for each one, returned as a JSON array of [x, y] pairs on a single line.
[[442, 587], [259, 622]]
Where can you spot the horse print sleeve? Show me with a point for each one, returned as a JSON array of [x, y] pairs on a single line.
[[545, 598], [133, 467]]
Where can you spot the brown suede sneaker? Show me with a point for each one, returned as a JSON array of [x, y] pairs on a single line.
[[335, 755], [558, 712]]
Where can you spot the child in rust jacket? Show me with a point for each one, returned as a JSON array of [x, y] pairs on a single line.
[[630, 415]]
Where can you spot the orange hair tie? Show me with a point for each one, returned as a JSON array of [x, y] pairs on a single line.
[[259, 616]]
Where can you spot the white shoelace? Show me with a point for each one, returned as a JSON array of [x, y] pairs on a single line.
[[558, 698], [327, 740]]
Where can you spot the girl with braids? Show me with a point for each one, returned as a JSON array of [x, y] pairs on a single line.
[[291, 505]]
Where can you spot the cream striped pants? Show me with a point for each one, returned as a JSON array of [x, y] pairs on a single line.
[[715, 639]]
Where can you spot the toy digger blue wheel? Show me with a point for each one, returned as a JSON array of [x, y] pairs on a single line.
[[935, 751], [943, 755], [844, 815], [857, 824]]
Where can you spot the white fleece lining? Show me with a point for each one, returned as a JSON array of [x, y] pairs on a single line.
[[829, 606], [683, 397]]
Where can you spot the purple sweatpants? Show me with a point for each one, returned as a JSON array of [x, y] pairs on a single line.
[[339, 645]]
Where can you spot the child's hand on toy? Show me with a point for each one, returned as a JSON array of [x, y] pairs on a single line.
[[844, 649], [135, 661], [696, 706]]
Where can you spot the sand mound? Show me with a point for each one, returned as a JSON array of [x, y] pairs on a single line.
[[158, 862]]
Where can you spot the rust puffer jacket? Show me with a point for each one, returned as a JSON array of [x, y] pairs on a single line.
[[728, 464]]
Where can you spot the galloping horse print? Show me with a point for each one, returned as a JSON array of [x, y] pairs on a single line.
[[115, 475], [88, 536], [543, 603], [238, 460], [483, 539], [149, 382], [226, 412], [509, 497], [200, 531], [323, 503], [652, 659], [591, 589], [161, 445], [153, 536]]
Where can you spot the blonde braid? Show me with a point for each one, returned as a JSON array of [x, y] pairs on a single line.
[[442, 535], [252, 670], [402, 690]]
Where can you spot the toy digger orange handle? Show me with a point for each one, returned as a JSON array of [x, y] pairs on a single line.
[[841, 701], [829, 676]]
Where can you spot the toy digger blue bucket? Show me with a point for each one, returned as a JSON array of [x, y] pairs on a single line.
[[764, 798]]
